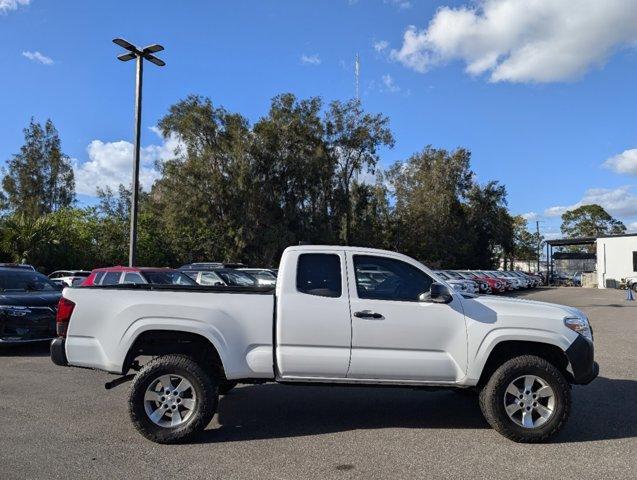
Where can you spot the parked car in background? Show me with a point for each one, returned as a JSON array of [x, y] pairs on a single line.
[[508, 283], [119, 275], [518, 283], [226, 277], [526, 282], [69, 277], [28, 302], [472, 286], [483, 285], [24, 266], [496, 285], [210, 265], [264, 276], [458, 285]]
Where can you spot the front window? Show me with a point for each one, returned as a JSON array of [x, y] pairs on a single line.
[[401, 281]]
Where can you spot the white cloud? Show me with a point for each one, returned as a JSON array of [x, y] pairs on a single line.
[[9, 5], [389, 84], [38, 57], [619, 202], [522, 40], [632, 227], [381, 46], [310, 59], [625, 162], [111, 163], [530, 216], [401, 4]]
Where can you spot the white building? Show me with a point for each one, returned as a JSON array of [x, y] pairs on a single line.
[[616, 259]]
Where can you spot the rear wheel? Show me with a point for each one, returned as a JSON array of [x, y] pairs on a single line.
[[526, 399], [172, 399]]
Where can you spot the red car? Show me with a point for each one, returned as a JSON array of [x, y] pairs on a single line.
[[497, 285], [141, 275]]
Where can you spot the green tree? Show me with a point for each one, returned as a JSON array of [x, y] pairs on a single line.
[[525, 243], [23, 237], [207, 192], [294, 177], [38, 180], [353, 138], [490, 226], [429, 190], [372, 220], [590, 221]]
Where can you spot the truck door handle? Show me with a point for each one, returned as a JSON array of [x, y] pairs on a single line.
[[368, 314]]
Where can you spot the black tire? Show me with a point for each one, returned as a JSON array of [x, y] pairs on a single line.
[[493, 394], [634, 287], [203, 384], [226, 386]]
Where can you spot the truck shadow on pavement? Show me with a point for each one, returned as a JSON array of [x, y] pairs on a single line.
[[279, 411], [600, 411]]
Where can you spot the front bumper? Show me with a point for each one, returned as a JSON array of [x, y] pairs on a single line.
[[581, 355], [58, 352]]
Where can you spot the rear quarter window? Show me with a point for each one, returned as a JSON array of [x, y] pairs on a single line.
[[319, 274]]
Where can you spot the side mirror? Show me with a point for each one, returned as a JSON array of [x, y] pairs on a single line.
[[438, 293]]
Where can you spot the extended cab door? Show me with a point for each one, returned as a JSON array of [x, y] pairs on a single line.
[[313, 330], [394, 335]]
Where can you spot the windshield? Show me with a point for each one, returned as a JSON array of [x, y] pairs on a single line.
[[168, 278], [25, 280]]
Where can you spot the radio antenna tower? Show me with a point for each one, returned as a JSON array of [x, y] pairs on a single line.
[[357, 72]]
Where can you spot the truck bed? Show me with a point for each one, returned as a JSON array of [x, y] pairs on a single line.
[[107, 320]]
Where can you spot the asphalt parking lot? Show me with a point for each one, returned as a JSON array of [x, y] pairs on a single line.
[[61, 423]]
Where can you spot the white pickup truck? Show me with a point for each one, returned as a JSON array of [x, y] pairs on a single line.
[[338, 315]]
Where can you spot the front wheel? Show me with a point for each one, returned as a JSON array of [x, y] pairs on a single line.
[[526, 399], [172, 399]]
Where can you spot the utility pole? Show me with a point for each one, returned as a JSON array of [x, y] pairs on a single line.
[[139, 55], [357, 73]]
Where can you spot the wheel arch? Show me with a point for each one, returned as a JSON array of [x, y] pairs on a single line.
[[156, 342], [507, 349]]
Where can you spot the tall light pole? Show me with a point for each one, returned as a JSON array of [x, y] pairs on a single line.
[[140, 54]]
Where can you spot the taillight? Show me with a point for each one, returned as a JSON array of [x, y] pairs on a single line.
[[65, 309]]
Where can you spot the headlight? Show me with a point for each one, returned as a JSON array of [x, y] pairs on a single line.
[[579, 325]]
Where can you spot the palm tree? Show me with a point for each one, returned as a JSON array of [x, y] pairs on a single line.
[[21, 236]]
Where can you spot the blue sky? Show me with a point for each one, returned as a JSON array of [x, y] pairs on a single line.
[[546, 106]]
